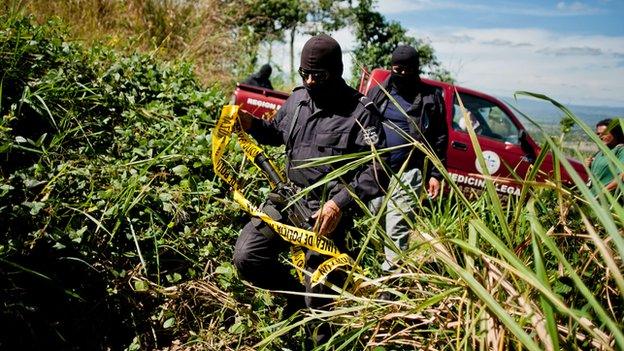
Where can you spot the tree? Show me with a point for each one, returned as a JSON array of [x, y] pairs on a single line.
[[271, 19], [330, 15], [377, 38]]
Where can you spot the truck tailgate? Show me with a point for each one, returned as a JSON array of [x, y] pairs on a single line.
[[258, 101]]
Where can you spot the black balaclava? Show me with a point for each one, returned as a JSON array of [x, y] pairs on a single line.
[[322, 52], [265, 71], [406, 56]]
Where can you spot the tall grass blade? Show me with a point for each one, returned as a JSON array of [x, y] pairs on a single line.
[[483, 295], [493, 197], [605, 253], [580, 285], [603, 215], [551, 323], [518, 268]]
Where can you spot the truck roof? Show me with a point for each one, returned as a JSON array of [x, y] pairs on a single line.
[[378, 75]]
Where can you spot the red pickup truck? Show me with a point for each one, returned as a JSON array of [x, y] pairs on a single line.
[[505, 143]]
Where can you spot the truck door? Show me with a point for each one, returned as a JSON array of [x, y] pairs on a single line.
[[499, 137]]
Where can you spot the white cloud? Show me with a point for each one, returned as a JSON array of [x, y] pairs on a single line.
[[580, 69], [398, 6], [504, 42], [573, 51], [575, 6], [389, 7], [574, 69]]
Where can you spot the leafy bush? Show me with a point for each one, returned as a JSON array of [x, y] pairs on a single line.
[[107, 191]]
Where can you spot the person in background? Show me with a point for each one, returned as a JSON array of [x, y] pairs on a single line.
[[324, 117], [261, 78], [476, 125], [610, 132], [408, 108]]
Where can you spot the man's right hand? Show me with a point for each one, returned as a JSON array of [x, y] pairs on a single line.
[[327, 218], [434, 188]]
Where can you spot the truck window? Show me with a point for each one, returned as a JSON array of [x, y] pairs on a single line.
[[487, 118]]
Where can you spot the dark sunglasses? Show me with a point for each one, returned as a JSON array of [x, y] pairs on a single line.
[[318, 76], [402, 70]]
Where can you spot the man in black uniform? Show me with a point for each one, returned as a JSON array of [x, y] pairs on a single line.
[[324, 117], [416, 109], [261, 78]]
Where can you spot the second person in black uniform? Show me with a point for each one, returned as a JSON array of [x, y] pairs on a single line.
[[409, 108]]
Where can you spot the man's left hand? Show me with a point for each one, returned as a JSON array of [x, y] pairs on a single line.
[[327, 218], [434, 188]]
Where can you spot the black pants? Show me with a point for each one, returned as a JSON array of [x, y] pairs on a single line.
[[256, 256]]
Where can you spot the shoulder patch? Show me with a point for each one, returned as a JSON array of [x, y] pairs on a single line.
[[370, 136]]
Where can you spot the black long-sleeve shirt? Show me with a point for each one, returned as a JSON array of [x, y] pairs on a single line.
[[350, 124], [426, 114]]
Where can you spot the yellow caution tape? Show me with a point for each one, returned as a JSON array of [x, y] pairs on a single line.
[[221, 136]]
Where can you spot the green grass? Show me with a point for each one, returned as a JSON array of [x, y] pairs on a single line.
[[543, 271], [117, 234]]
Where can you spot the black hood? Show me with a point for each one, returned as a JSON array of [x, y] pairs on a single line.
[[405, 55], [265, 71], [332, 95], [322, 52]]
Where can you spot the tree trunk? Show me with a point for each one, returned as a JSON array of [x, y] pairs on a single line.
[[292, 54], [270, 52]]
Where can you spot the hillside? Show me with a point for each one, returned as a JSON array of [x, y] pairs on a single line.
[[547, 114]]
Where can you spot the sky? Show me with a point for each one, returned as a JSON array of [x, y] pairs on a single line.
[[572, 51]]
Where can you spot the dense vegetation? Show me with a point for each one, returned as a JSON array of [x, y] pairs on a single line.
[[206, 32], [106, 187], [116, 234]]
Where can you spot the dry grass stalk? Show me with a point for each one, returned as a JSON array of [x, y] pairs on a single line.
[[201, 31], [529, 309]]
